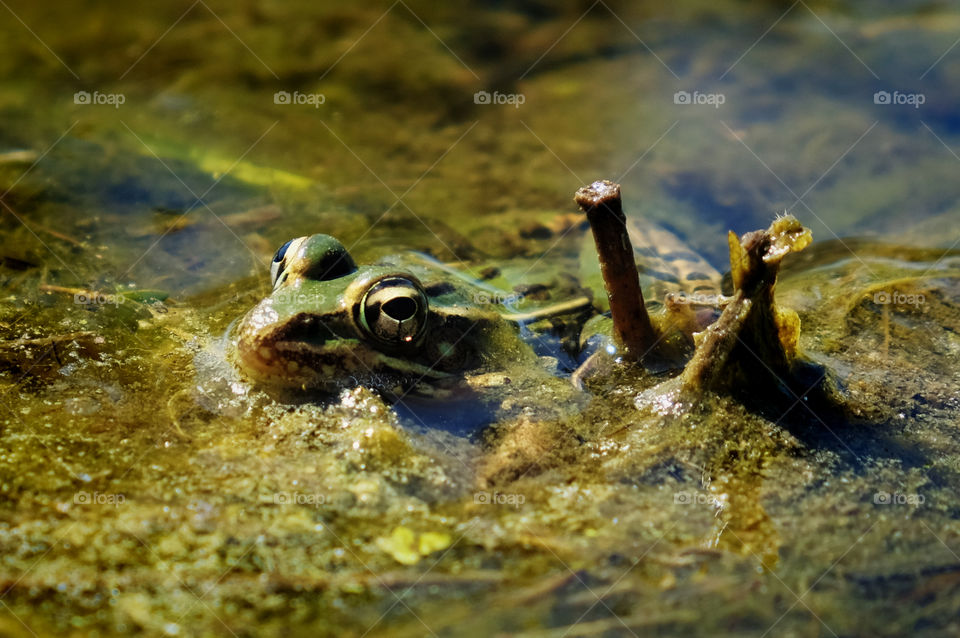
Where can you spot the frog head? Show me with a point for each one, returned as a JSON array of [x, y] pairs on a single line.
[[329, 323]]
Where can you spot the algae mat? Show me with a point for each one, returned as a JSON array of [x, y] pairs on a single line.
[[152, 158]]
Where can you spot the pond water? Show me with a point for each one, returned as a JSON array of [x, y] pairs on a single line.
[[154, 156]]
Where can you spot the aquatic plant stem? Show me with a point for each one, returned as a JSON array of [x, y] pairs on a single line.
[[753, 343], [631, 323]]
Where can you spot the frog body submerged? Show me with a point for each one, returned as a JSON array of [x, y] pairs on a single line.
[[330, 323], [407, 320]]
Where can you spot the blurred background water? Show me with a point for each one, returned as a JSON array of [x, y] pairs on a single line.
[[186, 167]]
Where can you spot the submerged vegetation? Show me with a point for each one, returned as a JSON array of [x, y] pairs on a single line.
[[801, 479]]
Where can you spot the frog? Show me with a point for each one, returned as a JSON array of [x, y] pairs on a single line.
[[406, 323], [409, 323]]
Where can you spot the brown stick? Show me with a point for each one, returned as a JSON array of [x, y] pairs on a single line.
[[631, 324]]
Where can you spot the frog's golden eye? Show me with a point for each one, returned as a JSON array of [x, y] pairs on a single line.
[[394, 311]]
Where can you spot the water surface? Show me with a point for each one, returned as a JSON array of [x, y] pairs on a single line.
[[158, 155]]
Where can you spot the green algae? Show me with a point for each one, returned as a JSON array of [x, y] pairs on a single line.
[[141, 494]]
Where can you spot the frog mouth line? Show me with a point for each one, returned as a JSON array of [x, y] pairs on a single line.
[[318, 364]]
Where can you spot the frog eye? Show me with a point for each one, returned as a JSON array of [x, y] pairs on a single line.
[[279, 262], [394, 311], [317, 257]]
